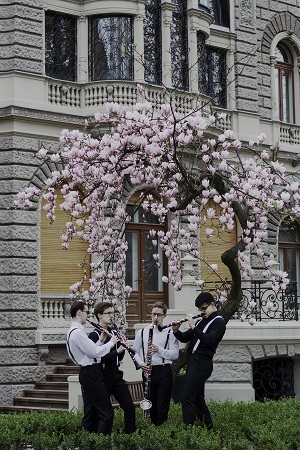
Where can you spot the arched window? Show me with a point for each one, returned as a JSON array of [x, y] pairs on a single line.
[[284, 73], [289, 250]]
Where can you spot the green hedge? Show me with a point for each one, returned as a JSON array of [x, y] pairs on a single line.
[[238, 426]]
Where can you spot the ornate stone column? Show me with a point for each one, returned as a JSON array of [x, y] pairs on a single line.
[[82, 57], [166, 18]]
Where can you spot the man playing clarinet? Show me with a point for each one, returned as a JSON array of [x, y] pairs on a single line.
[[113, 376], [203, 337], [164, 349]]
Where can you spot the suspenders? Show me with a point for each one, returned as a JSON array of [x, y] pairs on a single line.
[[204, 331], [69, 349]]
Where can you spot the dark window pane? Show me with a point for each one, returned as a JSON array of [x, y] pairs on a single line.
[[220, 12], [212, 72], [179, 45], [60, 46], [111, 48], [152, 42]]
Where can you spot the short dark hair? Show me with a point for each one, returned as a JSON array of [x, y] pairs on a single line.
[[204, 297], [78, 305], [101, 307], [161, 305]]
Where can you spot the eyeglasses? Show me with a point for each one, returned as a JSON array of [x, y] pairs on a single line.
[[204, 308], [157, 314], [111, 313]]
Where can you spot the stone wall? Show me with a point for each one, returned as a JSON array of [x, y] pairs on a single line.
[[21, 36]]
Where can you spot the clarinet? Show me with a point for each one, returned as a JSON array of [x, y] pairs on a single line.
[[130, 350], [146, 403], [177, 322]]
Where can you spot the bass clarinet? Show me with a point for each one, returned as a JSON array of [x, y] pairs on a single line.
[[177, 322], [146, 403], [130, 350]]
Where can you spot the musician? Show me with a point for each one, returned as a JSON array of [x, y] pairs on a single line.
[[203, 337], [87, 355], [113, 376], [164, 349]]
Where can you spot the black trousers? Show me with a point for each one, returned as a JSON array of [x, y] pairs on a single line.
[[193, 397], [160, 393], [117, 386], [98, 413]]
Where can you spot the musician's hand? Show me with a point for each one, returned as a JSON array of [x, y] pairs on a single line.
[[120, 349], [176, 327], [114, 339], [191, 321], [146, 369], [154, 349]]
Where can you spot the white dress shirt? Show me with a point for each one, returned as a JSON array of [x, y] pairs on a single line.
[[82, 350], [164, 355]]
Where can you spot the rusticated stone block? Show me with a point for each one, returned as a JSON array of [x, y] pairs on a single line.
[[19, 142], [22, 320], [19, 248], [18, 283], [18, 266], [7, 12], [19, 302], [291, 350], [22, 25], [35, 67], [232, 353], [17, 338], [20, 232], [18, 355], [11, 186], [282, 350], [256, 351], [16, 156], [57, 354], [231, 372], [19, 216], [16, 51], [21, 38], [270, 350], [23, 374], [22, 172], [8, 392], [33, 3]]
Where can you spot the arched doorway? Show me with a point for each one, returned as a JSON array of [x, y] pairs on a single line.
[[142, 272]]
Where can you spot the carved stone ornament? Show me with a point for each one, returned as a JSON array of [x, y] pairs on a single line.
[[246, 12]]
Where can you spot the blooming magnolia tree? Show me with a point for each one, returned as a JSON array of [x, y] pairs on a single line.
[[190, 167]]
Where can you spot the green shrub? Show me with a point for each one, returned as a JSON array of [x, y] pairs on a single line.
[[238, 426]]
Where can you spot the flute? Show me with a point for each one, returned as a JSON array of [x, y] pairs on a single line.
[[130, 350], [177, 322]]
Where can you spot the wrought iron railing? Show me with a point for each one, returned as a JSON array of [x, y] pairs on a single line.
[[262, 302]]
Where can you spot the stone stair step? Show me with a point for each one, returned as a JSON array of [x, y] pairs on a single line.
[[70, 370], [55, 385], [57, 377], [21, 409], [43, 393], [42, 402]]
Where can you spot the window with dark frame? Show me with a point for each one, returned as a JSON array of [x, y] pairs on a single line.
[[220, 12], [111, 48], [289, 249], [284, 73], [212, 72], [60, 46], [179, 46], [152, 42]]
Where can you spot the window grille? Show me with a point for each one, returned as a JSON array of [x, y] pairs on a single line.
[[152, 42], [212, 72], [273, 378], [179, 46], [60, 46], [111, 48]]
